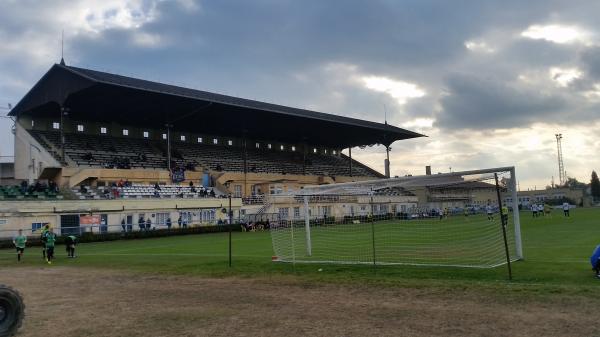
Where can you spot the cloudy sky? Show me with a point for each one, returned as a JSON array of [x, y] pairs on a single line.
[[490, 82]]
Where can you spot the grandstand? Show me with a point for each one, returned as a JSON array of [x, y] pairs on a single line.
[[77, 118], [89, 131]]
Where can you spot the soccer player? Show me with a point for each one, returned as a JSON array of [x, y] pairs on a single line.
[[43, 233], [534, 210], [50, 241], [547, 210], [489, 211], [566, 208], [70, 242], [505, 214], [19, 242]]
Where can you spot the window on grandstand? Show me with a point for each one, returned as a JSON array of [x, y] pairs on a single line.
[[296, 212], [35, 226], [161, 218], [275, 189], [284, 213], [315, 150], [103, 130], [215, 141], [293, 148], [32, 123], [334, 152], [199, 139], [164, 135], [230, 142], [257, 145], [325, 151], [237, 191], [125, 132], [269, 146], [80, 128], [208, 215], [182, 138], [146, 134], [281, 147], [56, 125]]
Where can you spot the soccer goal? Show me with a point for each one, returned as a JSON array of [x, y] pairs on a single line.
[[466, 219]]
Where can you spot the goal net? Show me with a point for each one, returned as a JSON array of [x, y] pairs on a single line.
[[449, 219]]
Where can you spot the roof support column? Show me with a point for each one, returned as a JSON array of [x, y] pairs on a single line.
[[169, 126], [64, 111], [350, 155], [387, 161], [245, 155], [304, 149]]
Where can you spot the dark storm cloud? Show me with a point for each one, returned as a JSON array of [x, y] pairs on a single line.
[[485, 103]]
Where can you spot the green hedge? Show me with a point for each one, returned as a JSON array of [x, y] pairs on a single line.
[[112, 236]]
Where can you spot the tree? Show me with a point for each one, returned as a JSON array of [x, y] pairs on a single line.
[[595, 186], [574, 183]]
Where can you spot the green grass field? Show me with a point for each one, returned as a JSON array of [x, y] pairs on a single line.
[[556, 253]]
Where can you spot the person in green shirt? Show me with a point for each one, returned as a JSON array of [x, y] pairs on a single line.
[[43, 233], [50, 241], [19, 242]]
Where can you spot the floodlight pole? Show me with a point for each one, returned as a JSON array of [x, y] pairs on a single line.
[[307, 227]]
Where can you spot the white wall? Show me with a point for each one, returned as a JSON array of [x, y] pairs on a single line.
[[30, 157]]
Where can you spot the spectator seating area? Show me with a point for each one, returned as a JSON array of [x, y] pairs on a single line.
[[393, 191], [105, 151], [16, 192], [144, 191]]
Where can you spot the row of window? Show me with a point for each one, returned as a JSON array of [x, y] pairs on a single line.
[[215, 141]]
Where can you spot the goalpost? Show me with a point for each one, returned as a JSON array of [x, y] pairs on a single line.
[[451, 219]]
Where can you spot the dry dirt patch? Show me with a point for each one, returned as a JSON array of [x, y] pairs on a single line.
[[82, 302]]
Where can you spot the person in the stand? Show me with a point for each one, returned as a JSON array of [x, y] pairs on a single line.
[[168, 222], [148, 224], [50, 242], [24, 186], [123, 225], [179, 221], [19, 242], [70, 242]]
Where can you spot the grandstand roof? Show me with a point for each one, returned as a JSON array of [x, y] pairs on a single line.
[[92, 95]]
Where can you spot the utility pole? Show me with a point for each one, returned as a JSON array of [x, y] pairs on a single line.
[[562, 175]]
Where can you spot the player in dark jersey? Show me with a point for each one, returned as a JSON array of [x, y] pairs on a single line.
[[70, 242]]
